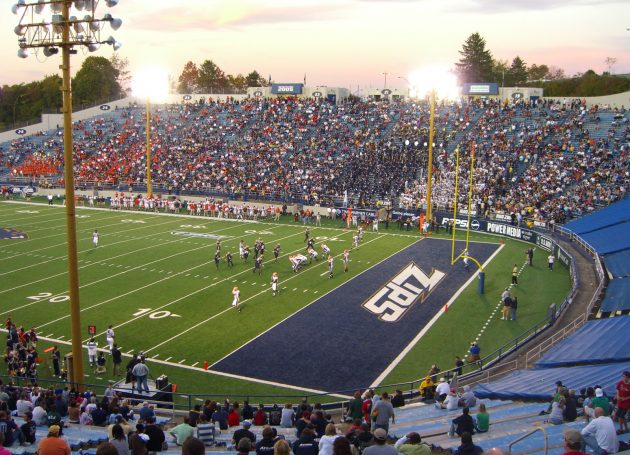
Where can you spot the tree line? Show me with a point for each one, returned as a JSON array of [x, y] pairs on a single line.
[[476, 64], [98, 80], [209, 78]]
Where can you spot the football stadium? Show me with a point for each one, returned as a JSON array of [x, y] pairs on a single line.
[[221, 263]]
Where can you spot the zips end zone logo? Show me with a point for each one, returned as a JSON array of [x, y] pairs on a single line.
[[394, 299]]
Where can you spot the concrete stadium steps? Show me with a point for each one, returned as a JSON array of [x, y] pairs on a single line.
[[437, 425], [531, 445]]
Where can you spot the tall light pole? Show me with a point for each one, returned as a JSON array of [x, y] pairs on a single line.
[[385, 74], [65, 32], [430, 160], [150, 84]]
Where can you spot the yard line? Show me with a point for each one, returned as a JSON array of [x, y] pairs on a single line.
[[181, 361], [167, 359], [101, 262], [89, 231], [195, 364], [164, 279], [229, 308], [305, 306]]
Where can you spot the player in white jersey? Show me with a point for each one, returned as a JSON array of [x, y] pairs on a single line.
[[325, 249], [375, 225], [360, 233], [241, 249], [331, 264], [110, 336], [236, 301], [91, 347], [274, 283], [312, 254], [297, 261], [355, 241], [95, 237], [346, 259]]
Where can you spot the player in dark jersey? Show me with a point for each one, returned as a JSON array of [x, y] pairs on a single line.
[[276, 251], [310, 244], [307, 234], [258, 263], [245, 252], [228, 259], [217, 258]]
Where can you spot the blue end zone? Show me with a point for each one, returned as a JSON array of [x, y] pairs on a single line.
[[335, 343]]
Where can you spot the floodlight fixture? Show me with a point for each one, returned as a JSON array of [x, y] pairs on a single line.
[[111, 3], [112, 42], [89, 5], [16, 8], [93, 47], [48, 51], [56, 7], [79, 5], [39, 7], [20, 30], [22, 53]]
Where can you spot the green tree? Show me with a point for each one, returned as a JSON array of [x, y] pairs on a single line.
[[121, 64], [500, 71], [518, 71], [475, 64], [537, 72], [211, 78], [237, 84], [188, 81], [254, 79], [95, 82]]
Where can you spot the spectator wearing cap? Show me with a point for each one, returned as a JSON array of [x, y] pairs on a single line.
[[306, 444], [411, 444], [468, 399], [463, 424], [182, 431], [380, 447], [53, 444], [600, 434], [467, 447], [572, 442], [243, 432], [442, 389], [450, 403], [600, 401], [623, 401]]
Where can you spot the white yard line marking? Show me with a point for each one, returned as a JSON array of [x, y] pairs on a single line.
[[195, 364]]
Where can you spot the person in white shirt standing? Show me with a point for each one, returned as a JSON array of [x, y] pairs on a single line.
[[109, 336], [236, 301], [600, 434], [91, 347], [95, 237]]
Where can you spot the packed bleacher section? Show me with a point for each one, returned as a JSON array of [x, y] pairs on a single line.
[[551, 161]]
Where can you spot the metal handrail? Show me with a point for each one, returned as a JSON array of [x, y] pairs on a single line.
[[535, 353], [527, 435]]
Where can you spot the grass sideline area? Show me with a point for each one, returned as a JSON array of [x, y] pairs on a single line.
[[164, 295]]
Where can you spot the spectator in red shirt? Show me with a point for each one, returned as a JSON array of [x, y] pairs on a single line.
[[260, 417], [623, 401]]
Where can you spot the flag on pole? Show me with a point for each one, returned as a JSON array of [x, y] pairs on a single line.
[[304, 78]]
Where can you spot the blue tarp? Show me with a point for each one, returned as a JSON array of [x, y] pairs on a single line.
[[539, 383], [617, 296], [611, 239], [598, 341], [616, 213], [618, 264]]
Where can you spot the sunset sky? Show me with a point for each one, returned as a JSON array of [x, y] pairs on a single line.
[[347, 43]]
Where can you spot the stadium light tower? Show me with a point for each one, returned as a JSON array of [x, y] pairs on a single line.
[[434, 82], [151, 84], [44, 32]]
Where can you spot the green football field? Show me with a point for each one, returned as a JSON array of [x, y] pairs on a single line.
[[153, 277]]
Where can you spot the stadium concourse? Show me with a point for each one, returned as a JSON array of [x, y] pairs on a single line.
[[550, 161]]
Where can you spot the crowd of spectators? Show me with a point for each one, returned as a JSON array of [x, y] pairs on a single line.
[[545, 160]]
